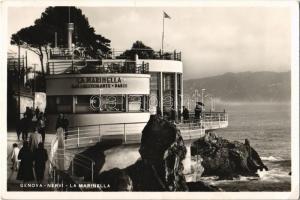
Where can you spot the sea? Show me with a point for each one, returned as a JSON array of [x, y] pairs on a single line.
[[268, 128]]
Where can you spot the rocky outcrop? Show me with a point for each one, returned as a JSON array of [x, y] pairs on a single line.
[[160, 167], [226, 159]]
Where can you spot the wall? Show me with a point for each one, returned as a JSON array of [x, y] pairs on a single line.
[[62, 84], [163, 65], [94, 119]]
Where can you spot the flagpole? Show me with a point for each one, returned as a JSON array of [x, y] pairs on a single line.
[[163, 35]]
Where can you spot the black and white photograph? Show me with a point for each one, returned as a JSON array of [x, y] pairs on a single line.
[[194, 98]]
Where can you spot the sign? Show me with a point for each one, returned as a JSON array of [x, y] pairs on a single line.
[[100, 82]]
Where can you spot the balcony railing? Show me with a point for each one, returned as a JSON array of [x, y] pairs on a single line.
[[209, 116], [80, 53], [96, 67]]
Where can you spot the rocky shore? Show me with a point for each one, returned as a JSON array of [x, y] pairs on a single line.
[[226, 159], [160, 166]]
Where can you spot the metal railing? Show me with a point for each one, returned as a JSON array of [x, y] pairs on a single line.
[[85, 136], [81, 53], [96, 66], [154, 55], [208, 116], [82, 136], [70, 160]]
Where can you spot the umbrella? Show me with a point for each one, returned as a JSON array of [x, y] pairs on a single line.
[[200, 103]]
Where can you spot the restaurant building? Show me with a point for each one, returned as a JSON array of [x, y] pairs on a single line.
[[112, 90]]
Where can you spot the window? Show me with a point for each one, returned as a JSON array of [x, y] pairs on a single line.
[[168, 81], [51, 104], [138, 103], [86, 104], [110, 103], [154, 81], [60, 104]]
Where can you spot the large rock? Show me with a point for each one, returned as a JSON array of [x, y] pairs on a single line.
[[160, 167], [226, 159]]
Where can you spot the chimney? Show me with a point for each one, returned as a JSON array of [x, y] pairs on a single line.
[[70, 32]]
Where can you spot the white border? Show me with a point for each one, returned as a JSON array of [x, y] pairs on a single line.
[[294, 194]]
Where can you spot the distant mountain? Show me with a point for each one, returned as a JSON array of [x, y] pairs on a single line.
[[244, 86]]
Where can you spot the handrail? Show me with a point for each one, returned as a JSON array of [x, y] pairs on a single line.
[[80, 53], [105, 124], [96, 66], [77, 159], [80, 135]]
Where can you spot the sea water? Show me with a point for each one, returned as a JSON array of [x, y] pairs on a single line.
[[268, 128]]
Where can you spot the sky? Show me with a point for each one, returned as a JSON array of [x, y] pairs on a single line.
[[213, 40]]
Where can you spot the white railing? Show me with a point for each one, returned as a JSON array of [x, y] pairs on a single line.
[[83, 136], [128, 133], [70, 160]]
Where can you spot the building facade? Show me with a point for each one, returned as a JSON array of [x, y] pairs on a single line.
[[110, 91]]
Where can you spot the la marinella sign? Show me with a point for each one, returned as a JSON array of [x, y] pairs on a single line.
[[100, 82]]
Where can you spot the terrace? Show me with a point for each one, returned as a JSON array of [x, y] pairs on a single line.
[[81, 54], [96, 67]]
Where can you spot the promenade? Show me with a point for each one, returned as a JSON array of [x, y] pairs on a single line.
[[12, 183]]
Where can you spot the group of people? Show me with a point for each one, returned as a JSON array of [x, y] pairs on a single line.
[[171, 115], [29, 161], [197, 113], [25, 125]]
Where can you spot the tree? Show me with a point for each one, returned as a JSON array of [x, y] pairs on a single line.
[[139, 48], [40, 37]]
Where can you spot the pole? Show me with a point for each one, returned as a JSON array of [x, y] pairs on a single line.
[[211, 103], [26, 66], [55, 39], [78, 137], [100, 102], [202, 96], [19, 87], [163, 35], [34, 84]]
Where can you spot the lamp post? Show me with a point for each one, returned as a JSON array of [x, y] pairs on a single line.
[[196, 95], [34, 84], [19, 87], [100, 93], [202, 95]]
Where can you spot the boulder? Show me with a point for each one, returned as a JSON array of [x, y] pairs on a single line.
[[160, 167], [226, 159]]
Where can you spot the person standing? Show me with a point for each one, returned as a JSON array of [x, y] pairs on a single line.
[[37, 112], [40, 159], [198, 111], [185, 114], [14, 157], [25, 172], [25, 126], [41, 125], [34, 140], [29, 113], [172, 114], [62, 122], [19, 128]]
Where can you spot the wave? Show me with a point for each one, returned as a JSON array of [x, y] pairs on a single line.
[[274, 175], [272, 158]]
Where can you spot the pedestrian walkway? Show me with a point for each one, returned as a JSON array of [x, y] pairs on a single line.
[[12, 183]]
